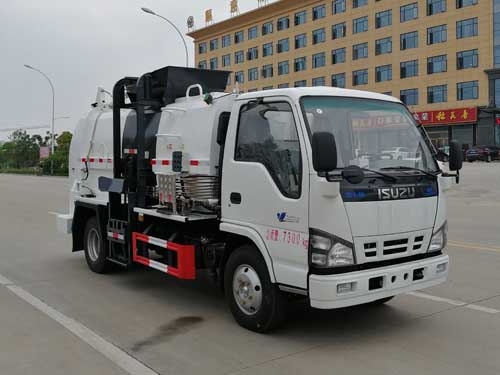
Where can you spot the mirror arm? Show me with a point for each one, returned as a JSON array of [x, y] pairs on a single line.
[[456, 175]]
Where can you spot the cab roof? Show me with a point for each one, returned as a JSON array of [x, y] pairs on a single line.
[[298, 92]]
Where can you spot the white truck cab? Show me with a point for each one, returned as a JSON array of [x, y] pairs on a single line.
[[277, 192]]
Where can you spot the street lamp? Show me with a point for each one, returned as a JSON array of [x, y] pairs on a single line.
[[53, 119], [149, 11]]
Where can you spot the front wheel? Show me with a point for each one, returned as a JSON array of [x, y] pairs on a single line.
[[255, 302], [95, 247]]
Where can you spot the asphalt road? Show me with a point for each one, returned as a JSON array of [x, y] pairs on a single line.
[[173, 327]]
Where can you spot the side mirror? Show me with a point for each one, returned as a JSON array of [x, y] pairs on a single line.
[[324, 152], [455, 157]]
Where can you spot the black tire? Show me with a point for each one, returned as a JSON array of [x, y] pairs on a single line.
[[272, 310], [95, 253], [380, 301], [470, 160]]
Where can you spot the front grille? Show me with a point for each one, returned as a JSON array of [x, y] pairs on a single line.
[[375, 249], [395, 246]]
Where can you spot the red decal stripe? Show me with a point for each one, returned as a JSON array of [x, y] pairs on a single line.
[[194, 163]]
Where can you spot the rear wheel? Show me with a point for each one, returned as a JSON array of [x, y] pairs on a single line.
[[255, 302], [95, 247]]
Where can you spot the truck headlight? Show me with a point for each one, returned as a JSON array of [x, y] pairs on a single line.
[[439, 239], [328, 251]]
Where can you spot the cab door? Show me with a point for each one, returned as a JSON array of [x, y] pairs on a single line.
[[265, 183]]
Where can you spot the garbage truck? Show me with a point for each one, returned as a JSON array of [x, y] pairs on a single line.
[[278, 194]]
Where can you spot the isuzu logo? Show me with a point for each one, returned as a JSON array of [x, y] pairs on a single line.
[[407, 192]]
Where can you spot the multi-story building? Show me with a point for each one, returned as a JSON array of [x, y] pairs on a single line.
[[440, 57]]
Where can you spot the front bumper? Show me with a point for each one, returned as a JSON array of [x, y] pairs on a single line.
[[374, 284]]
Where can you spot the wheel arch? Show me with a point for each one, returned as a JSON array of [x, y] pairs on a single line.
[[84, 211], [240, 235]]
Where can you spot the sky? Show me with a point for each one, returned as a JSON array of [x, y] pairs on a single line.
[[83, 44]]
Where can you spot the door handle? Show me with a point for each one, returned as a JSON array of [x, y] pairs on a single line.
[[235, 198]]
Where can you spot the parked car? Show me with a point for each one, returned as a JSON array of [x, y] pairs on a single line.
[[485, 153], [398, 153]]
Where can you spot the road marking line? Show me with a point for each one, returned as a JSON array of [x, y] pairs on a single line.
[[5, 281], [474, 246], [454, 302], [116, 355]]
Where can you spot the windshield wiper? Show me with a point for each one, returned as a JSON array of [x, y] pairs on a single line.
[[402, 168], [354, 174]]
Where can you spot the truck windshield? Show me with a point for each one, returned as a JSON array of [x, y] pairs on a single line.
[[374, 134]]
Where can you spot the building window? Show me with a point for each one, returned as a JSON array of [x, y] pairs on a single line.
[[465, 3], [239, 77], [239, 57], [409, 96], [360, 77], [229, 79], [466, 28], [360, 25], [283, 23], [467, 90], [202, 48], [436, 34], [408, 40], [338, 55], [267, 71], [338, 80], [383, 19], [435, 6], [437, 94], [408, 69], [283, 45], [239, 37], [300, 41], [226, 41], [267, 28], [467, 59], [320, 81], [318, 60], [408, 12], [253, 74], [339, 30], [383, 46], [319, 36], [214, 44], [214, 63], [283, 68], [267, 49], [359, 3], [300, 18], [338, 6], [226, 60], [360, 51], [300, 64], [302, 83], [436, 64], [253, 33], [283, 85], [267, 88], [383, 73], [253, 53], [319, 12], [202, 64]]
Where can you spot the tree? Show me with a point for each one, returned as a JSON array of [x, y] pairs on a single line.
[[61, 155], [21, 152]]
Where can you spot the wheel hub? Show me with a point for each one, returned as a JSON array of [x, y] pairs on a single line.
[[247, 289], [93, 244]]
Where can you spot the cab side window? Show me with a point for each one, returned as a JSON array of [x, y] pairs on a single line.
[[267, 134]]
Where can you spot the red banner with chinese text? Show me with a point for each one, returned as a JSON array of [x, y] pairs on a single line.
[[447, 116]]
